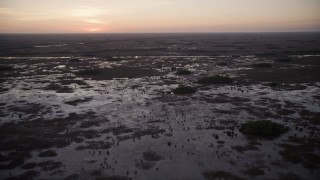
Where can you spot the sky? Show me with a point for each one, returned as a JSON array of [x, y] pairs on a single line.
[[140, 16]]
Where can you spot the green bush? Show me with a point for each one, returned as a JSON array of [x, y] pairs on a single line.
[[215, 80], [263, 128], [184, 90]]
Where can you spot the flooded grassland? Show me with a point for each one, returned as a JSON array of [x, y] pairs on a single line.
[[159, 117]]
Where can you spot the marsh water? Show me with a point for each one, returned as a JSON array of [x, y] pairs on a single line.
[[121, 119]]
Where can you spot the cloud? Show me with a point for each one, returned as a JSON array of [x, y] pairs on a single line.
[[6, 11], [94, 21], [88, 12]]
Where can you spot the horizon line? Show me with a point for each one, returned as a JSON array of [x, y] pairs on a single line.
[[218, 32]]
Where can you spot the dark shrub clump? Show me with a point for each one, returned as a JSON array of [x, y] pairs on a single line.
[[183, 72], [222, 64], [89, 72], [272, 84], [151, 156], [184, 90], [215, 80], [263, 128], [262, 65], [6, 68], [48, 153], [284, 59], [212, 175]]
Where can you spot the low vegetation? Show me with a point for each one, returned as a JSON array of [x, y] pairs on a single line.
[[183, 72], [74, 60], [284, 59], [215, 175], [262, 65], [184, 90], [90, 72], [301, 152], [215, 80], [6, 68], [48, 153], [254, 171], [222, 64], [151, 156], [263, 128], [272, 84]]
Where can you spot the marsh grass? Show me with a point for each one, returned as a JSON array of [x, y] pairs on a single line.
[[241, 149], [212, 175], [263, 128], [183, 72], [262, 65], [90, 72], [272, 84], [254, 171], [222, 64], [6, 68], [151, 156], [284, 60], [47, 153], [184, 90], [215, 80], [301, 152]]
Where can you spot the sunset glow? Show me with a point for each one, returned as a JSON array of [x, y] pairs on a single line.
[[60, 16]]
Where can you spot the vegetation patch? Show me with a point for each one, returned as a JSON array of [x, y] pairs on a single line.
[[30, 165], [6, 68], [285, 112], [184, 90], [16, 159], [118, 130], [284, 59], [262, 65], [317, 97], [48, 153], [74, 60], [90, 123], [217, 175], [78, 101], [215, 80], [28, 108], [289, 176], [58, 88], [30, 135], [272, 84], [151, 156], [183, 72], [145, 165], [112, 178], [242, 149], [27, 175], [263, 128], [315, 120], [95, 145], [254, 171], [302, 152], [89, 72], [222, 64], [50, 165]]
